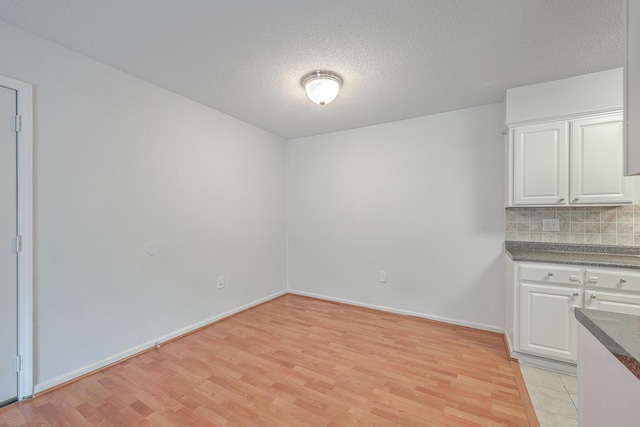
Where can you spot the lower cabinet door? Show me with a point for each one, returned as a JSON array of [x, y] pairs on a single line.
[[548, 326], [617, 303]]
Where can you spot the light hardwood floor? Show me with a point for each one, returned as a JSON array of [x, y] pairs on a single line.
[[297, 361]]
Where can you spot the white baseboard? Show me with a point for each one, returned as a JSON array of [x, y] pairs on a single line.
[[548, 364], [38, 388], [509, 344], [404, 312]]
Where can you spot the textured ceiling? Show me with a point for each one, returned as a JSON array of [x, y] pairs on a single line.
[[399, 58]]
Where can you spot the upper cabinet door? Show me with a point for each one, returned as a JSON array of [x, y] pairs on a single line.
[[540, 164], [597, 162]]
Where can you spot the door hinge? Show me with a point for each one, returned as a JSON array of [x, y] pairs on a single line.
[[18, 244], [16, 123], [18, 363]]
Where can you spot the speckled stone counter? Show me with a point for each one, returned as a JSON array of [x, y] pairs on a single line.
[[619, 333], [560, 253]]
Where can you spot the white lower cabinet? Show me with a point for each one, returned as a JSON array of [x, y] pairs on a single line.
[[547, 323], [547, 295], [614, 302]]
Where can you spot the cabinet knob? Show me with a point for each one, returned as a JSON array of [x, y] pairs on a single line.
[[576, 199], [592, 297], [561, 199], [623, 280], [549, 274]]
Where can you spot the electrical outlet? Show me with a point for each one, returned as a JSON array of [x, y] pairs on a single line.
[[550, 225], [382, 276], [220, 282]]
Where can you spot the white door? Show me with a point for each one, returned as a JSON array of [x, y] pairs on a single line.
[[597, 161], [547, 323], [617, 303], [8, 255], [541, 164]]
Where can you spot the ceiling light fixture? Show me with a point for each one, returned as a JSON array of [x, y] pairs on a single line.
[[322, 86]]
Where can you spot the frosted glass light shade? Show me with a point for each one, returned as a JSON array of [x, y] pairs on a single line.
[[321, 86]]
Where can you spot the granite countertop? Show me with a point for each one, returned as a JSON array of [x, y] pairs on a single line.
[[561, 253], [619, 333]]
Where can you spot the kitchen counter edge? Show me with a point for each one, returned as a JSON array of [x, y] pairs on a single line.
[[617, 332], [561, 253]]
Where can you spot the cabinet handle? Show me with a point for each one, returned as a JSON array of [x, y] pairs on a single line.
[[549, 274], [592, 296], [561, 199], [623, 280], [593, 279], [576, 199], [576, 294], [574, 278]]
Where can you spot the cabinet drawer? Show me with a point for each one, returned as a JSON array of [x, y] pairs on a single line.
[[615, 302], [621, 280], [554, 274]]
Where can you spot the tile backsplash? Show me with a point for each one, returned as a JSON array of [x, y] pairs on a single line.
[[610, 225]]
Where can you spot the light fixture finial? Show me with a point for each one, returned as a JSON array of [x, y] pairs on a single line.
[[322, 86]]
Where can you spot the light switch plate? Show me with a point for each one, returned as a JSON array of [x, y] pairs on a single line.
[[550, 225]]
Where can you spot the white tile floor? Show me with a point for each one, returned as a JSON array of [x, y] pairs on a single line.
[[554, 396]]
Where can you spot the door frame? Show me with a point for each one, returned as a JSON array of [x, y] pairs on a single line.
[[25, 229]]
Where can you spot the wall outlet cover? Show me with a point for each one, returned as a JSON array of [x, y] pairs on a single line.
[[382, 276]]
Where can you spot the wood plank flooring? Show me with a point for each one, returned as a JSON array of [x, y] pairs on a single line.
[[297, 361]]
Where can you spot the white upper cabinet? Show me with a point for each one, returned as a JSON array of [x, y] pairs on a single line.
[[597, 164], [540, 164], [567, 163], [566, 143]]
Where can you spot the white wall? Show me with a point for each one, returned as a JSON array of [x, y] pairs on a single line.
[[420, 198], [584, 94], [119, 163]]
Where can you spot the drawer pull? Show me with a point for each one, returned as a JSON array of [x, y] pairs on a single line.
[[574, 278], [549, 274], [576, 294], [592, 297], [623, 280], [593, 279]]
